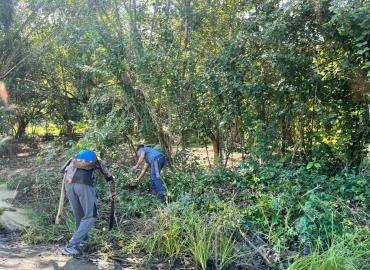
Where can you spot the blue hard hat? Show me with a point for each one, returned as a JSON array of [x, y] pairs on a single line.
[[86, 155]]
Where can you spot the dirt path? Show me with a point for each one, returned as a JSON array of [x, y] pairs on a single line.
[[15, 254]]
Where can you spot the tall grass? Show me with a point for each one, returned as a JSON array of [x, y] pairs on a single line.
[[224, 251], [350, 252], [172, 241], [166, 238], [210, 239], [200, 240], [43, 229], [205, 237]]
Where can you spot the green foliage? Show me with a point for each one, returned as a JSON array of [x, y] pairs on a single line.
[[181, 229], [350, 252], [224, 251], [167, 237], [200, 241], [352, 20], [290, 207], [284, 83], [4, 114], [44, 231], [318, 216], [254, 85]]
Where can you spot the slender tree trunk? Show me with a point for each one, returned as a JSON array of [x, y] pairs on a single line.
[[209, 161], [263, 119], [287, 136], [216, 144], [302, 135], [22, 124]]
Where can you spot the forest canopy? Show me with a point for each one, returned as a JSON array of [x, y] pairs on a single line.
[[277, 76]]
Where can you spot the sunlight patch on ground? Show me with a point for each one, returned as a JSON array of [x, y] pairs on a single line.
[[11, 218], [20, 256], [204, 155]]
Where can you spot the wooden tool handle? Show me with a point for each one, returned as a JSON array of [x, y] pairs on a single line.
[[61, 204]]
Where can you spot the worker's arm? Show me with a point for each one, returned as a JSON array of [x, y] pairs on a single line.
[[108, 176], [140, 160], [142, 173]]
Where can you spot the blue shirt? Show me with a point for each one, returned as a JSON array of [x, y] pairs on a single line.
[[150, 153]]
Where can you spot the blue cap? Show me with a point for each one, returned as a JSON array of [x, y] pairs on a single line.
[[86, 155]]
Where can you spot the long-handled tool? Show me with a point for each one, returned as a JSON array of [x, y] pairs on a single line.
[[111, 216], [62, 193], [61, 204]]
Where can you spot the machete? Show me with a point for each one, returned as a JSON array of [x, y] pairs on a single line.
[[111, 216], [129, 188]]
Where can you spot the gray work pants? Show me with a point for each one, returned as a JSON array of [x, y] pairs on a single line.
[[83, 201]]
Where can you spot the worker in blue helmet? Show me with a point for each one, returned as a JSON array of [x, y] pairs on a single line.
[[78, 184]]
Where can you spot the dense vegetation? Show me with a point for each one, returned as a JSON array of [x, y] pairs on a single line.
[[283, 83]]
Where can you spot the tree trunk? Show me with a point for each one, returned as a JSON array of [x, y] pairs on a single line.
[[67, 130], [216, 144], [286, 134], [22, 124]]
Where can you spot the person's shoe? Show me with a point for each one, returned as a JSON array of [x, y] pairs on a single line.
[[71, 250]]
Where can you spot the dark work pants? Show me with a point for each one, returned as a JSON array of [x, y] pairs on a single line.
[[155, 179]]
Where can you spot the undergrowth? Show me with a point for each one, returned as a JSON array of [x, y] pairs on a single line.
[[294, 215]]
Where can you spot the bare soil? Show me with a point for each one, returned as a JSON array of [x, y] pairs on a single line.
[[15, 253]]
